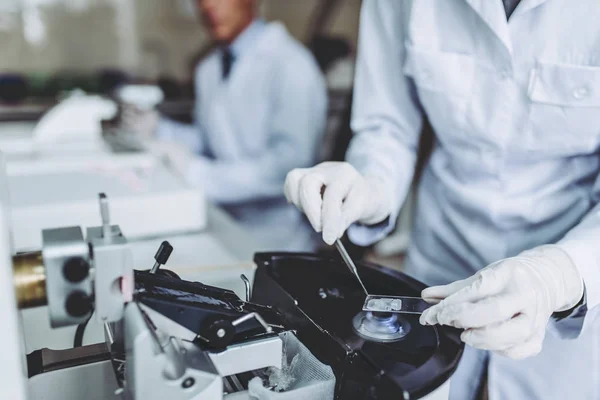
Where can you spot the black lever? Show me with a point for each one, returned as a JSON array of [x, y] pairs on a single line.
[[162, 256]]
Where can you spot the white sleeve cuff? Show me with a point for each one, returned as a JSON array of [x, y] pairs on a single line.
[[570, 326], [589, 270], [587, 265]]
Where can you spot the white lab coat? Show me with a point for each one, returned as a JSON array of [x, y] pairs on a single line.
[[516, 112], [267, 118]]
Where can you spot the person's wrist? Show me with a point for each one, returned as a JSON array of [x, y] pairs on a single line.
[[564, 281]]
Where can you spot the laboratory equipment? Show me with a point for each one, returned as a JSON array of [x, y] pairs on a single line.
[[295, 334], [349, 263], [374, 355]]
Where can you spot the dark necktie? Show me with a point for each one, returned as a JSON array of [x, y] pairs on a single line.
[[510, 6], [227, 61]]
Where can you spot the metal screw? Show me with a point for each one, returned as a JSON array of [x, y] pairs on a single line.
[[221, 333], [188, 383]]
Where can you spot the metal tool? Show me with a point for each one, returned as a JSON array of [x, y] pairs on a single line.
[[387, 304], [395, 304], [349, 263]]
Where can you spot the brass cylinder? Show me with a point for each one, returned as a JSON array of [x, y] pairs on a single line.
[[29, 279]]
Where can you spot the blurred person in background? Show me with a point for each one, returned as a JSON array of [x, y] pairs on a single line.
[[261, 109], [508, 212]]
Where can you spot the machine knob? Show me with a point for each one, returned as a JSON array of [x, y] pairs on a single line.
[[162, 256], [164, 252], [220, 334], [76, 269], [78, 304]]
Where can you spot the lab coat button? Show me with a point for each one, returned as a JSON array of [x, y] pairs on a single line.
[[505, 74], [581, 93]]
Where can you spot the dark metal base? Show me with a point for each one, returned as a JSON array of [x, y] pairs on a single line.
[[374, 357], [46, 360]]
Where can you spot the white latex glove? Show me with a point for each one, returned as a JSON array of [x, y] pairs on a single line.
[[334, 195], [178, 157], [506, 306], [139, 122]]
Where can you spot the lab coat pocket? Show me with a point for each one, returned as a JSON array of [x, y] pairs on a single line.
[[444, 82], [564, 109]]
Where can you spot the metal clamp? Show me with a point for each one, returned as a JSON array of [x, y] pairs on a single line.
[[113, 264], [248, 317], [221, 333]]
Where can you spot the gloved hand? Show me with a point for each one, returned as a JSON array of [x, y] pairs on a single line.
[[506, 306], [142, 123], [178, 157], [347, 197]]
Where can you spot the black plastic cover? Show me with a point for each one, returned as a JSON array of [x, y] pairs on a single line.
[[318, 298], [199, 307]]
